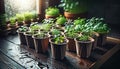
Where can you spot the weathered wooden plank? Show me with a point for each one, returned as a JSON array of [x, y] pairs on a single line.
[[105, 57], [8, 63], [115, 40]]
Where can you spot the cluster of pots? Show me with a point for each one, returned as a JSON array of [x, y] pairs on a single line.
[[12, 28], [18, 24], [83, 49]]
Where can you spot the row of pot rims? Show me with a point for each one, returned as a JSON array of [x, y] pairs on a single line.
[[82, 49]]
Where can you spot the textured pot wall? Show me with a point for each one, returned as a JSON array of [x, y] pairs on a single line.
[[17, 6]]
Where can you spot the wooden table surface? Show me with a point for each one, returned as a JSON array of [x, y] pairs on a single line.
[[15, 56]]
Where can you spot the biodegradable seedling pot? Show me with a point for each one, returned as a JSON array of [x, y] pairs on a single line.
[[95, 37], [22, 38], [58, 50], [84, 48], [21, 35], [71, 44], [70, 34], [41, 44], [29, 39]]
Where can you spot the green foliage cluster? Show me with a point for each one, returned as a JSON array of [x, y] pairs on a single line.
[[97, 25], [61, 20], [46, 27], [59, 39], [40, 35], [35, 27], [80, 21], [70, 31], [55, 32], [49, 20], [84, 38], [23, 29], [53, 11], [74, 6], [19, 17], [27, 16], [12, 20]]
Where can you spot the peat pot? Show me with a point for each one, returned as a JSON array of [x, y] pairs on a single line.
[[29, 40], [22, 38], [58, 50], [84, 48], [41, 44]]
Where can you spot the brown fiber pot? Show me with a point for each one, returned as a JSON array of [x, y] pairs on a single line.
[[69, 15], [58, 50], [22, 38], [29, 40], [41, 45], [84, 48]]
